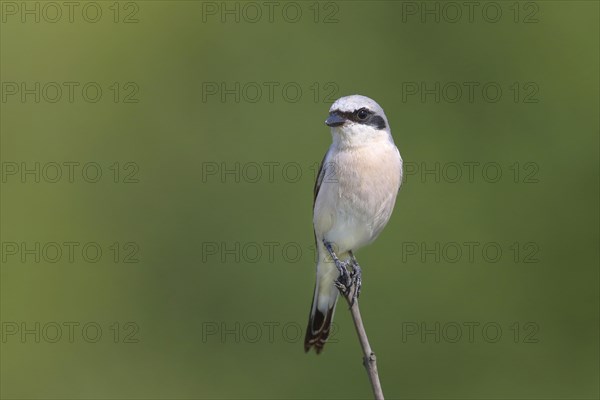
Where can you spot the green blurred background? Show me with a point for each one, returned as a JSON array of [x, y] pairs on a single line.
[[207, 322]]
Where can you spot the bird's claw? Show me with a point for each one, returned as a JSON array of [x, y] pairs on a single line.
[[347, 282], [344, 281], [356, 278]]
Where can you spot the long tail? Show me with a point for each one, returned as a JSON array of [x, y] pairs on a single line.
[[323, 307]]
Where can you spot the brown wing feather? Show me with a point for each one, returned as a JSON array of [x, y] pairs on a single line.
[[318, 182], [319, 179]]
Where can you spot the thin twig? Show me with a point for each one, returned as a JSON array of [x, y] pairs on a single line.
[[369, 359]]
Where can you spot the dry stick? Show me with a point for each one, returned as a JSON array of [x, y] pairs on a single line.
[[369, 359]]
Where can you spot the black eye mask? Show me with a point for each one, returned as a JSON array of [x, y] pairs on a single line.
[[372, 119]]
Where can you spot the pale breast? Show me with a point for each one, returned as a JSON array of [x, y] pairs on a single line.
[[357, 195]]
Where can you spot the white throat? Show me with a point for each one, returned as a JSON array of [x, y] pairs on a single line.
[[358, 135]]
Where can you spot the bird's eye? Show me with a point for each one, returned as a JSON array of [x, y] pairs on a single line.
[[362, 114]]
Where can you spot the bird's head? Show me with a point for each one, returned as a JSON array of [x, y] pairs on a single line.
[[357, 120]]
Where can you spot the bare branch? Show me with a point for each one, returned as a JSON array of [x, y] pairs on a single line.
[[369, 359]]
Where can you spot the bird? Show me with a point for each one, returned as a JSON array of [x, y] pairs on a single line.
[[354, 196]]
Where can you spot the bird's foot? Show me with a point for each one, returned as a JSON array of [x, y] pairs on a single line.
[[344, 281], [355, 280]]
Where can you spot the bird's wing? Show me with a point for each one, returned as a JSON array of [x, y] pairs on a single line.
[[320, 175], [318, 182], [401, 169]]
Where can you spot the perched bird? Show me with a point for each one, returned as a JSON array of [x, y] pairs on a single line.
[[354, 196]]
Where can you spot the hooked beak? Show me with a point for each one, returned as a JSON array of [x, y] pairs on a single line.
[[335, 120]]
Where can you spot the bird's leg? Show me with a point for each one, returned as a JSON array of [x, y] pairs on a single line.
[[355, 278], [344, 282]]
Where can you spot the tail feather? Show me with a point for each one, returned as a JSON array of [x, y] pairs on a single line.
[[318, 329], [323, 305]]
